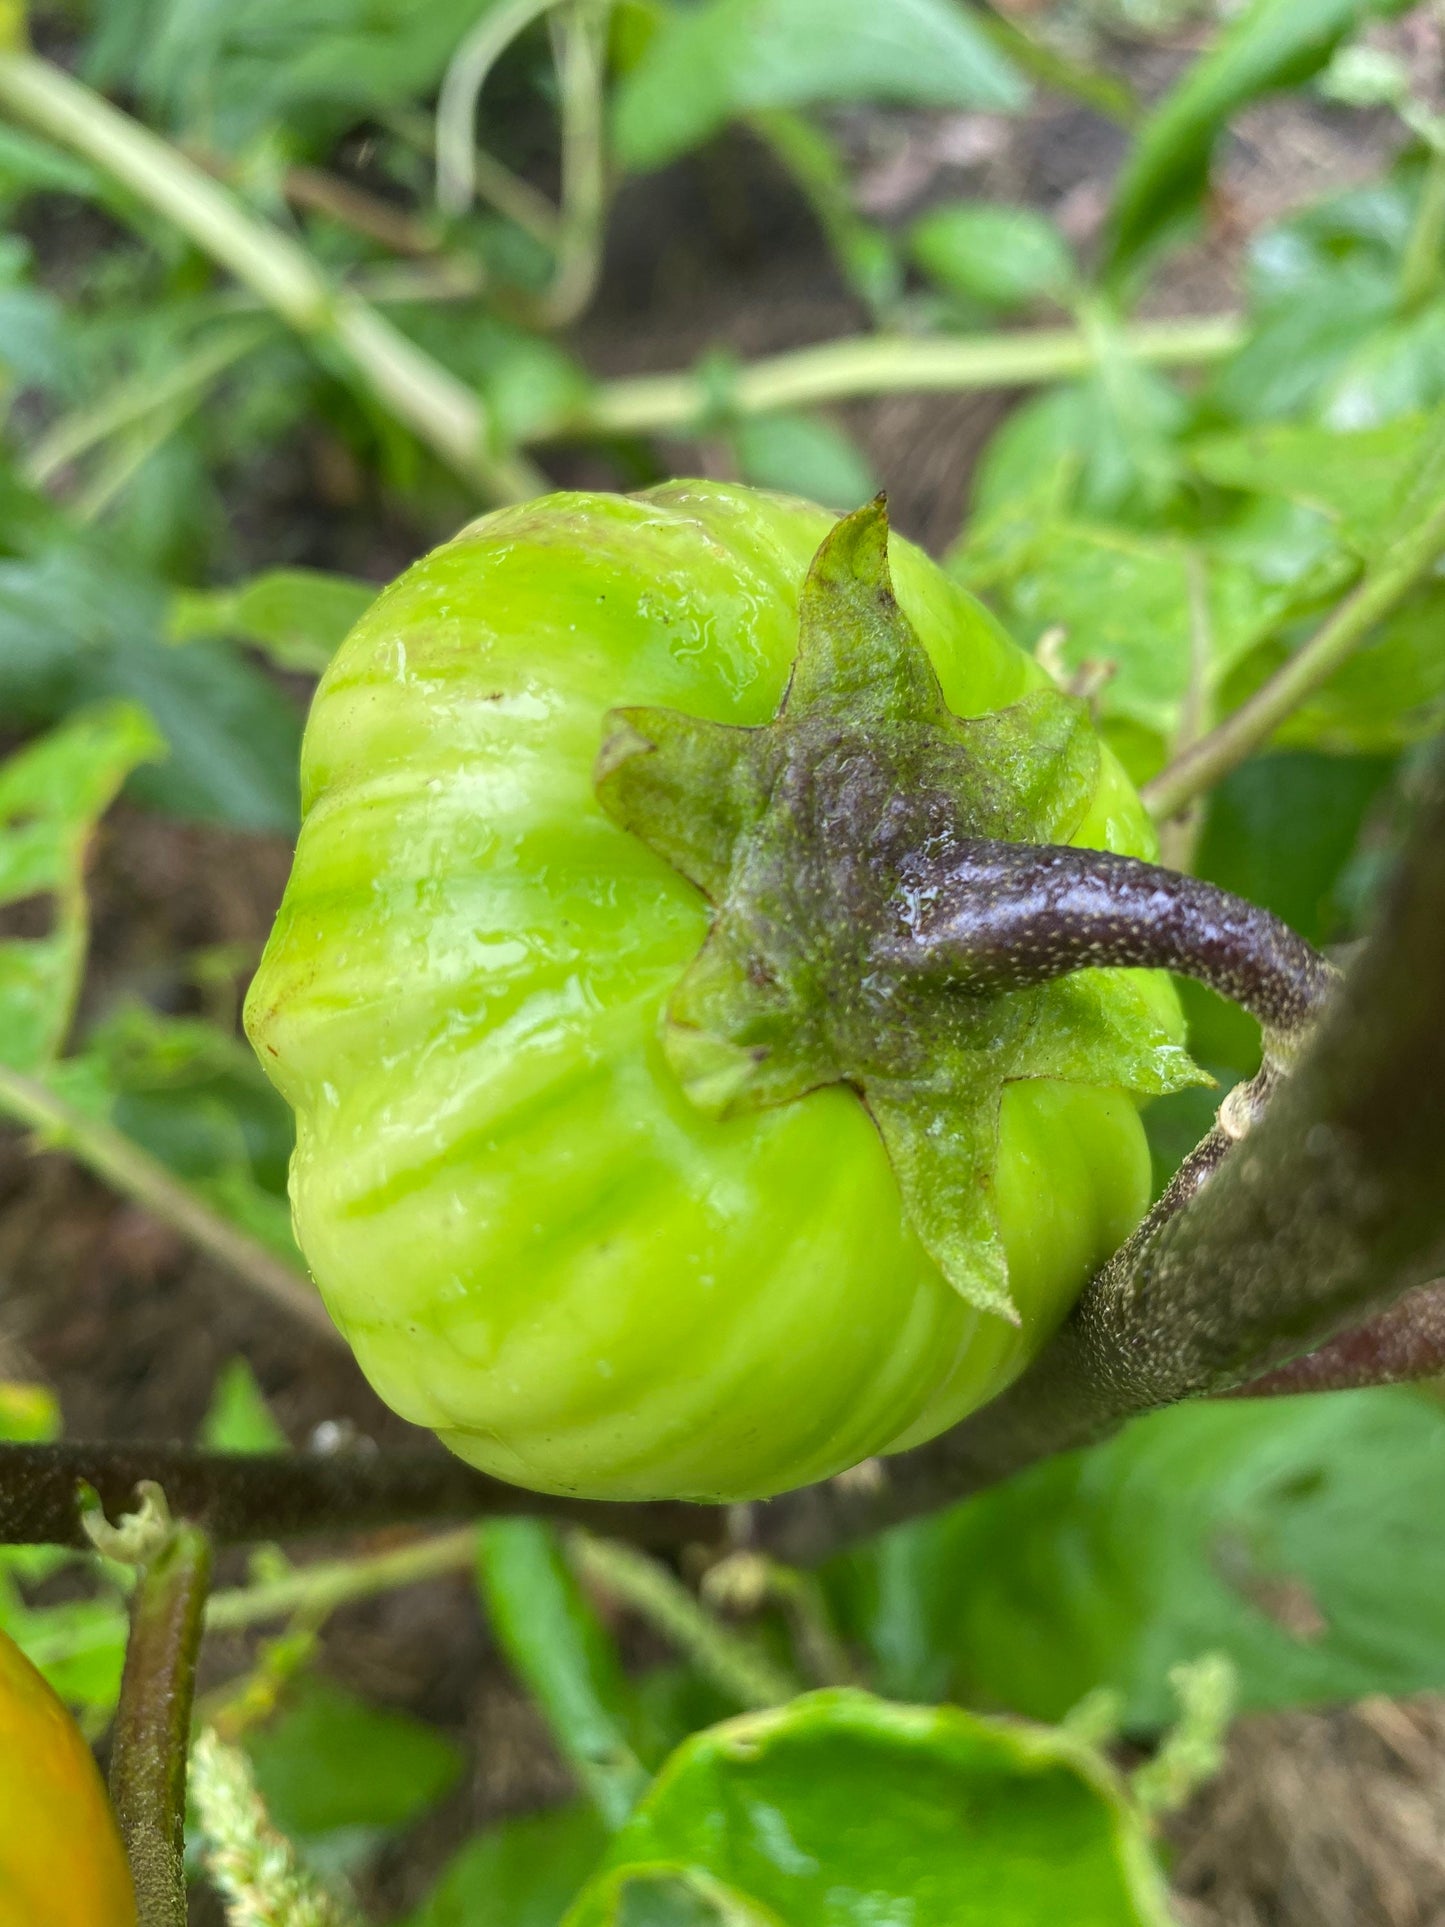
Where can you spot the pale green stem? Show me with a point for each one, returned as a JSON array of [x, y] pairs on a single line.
[[1311, 665], [734, 1665], [893, 364], [440, 409], [461, 89], [133, 1172], [507, 192], [319, 1589], [1424, 262], [125, 462], [581, 70], [74, 435], [1179, 835]]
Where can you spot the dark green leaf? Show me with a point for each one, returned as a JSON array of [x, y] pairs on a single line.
[[332, 1761], [710, 62], [52, 794], [1387, 695], [1112, 441], [560, 1649], [1004, 257], [225, 73], [75, 626], [524, 1873], [1272, 44], [1159, 612], [840, 1810], [1297, 1536], [194, 1097]]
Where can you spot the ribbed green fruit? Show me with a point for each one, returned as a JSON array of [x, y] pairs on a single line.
[[534, 1243]]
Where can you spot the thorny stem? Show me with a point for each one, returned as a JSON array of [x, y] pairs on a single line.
[[137, 1175], [153, 1723], [999, 916]]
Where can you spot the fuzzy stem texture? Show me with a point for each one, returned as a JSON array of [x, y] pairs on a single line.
[[153, 1722]]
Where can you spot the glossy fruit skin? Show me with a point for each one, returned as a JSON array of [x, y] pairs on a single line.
[[532, 1241], [61, 1861]]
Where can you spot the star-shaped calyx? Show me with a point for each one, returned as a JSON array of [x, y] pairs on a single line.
[[814, 837]]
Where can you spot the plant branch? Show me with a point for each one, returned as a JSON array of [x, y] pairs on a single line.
[[243, 1497], [319, 1589], [1403, 1345], [153, 1723], [439, 408], [139, 1176], [1402, 567], [861, 365], [461, 89], [581, 64], [734, 1665]]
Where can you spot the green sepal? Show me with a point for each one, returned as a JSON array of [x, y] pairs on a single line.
[[800, 833]]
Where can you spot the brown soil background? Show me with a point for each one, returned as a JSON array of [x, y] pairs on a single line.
[[1327, 1819]]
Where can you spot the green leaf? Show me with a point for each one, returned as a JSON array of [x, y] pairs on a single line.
[[803, 455], [238, 1419], [333, 1762], [524, 1873], [227, 73], [52, 794], [1271, 45], [297, 617], [560, 1649], [29, 1414], [1156, 611], [1109, 446], [1387, 695], [1321, 285], [1353, 477], [1004, 257], [79, 1647], [841, 1810], [76, 627], [1298, 1537], [710, 62]]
